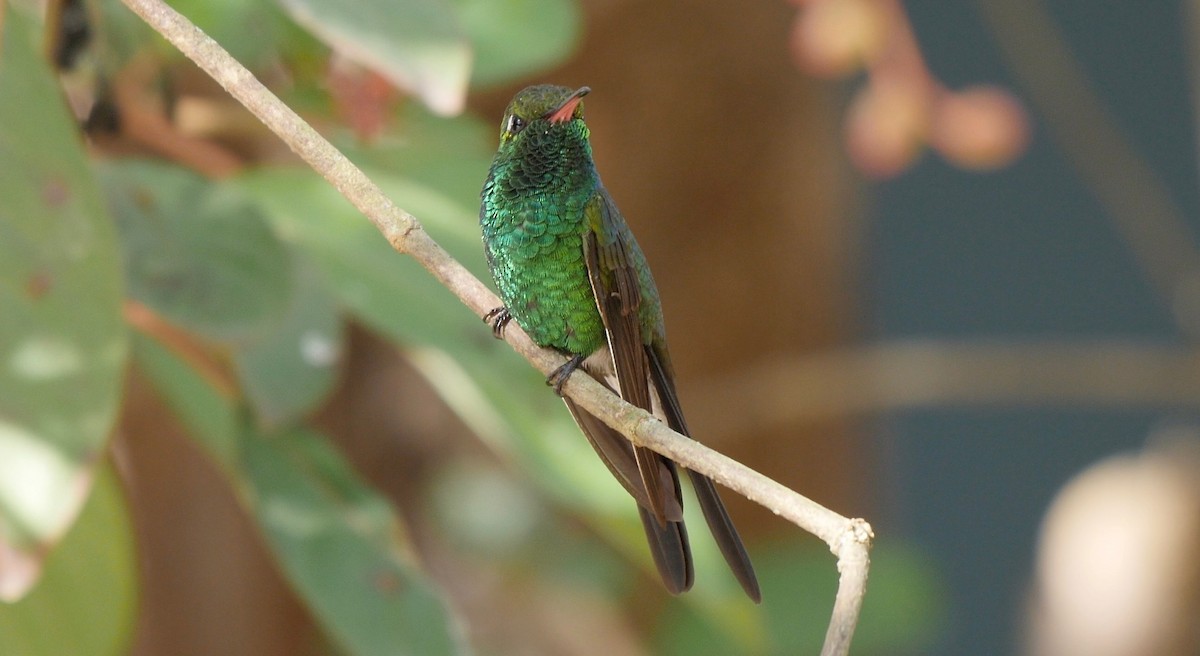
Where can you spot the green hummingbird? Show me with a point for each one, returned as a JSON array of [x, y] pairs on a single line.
[[573, 277]]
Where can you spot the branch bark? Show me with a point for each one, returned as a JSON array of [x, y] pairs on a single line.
[[848, 539]]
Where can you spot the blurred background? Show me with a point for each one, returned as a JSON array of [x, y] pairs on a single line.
[[929, 264]]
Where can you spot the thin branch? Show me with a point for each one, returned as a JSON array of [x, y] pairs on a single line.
[[150, 127], [849, 539], [1140, 205], [184, 345], [920, 373]]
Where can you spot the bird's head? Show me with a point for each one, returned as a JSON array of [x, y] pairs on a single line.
[[542, 110]]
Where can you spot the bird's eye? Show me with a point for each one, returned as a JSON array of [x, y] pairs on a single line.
[[515, 124]]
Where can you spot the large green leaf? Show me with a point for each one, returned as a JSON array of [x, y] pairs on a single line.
[[197, 252], [211, 419], [385, 288], [251, 30], [417, 44], [516, 38], [339, 544], [336, 540], [85, 603], [449, 155], [119, 35], [62, 341], [288, 372]]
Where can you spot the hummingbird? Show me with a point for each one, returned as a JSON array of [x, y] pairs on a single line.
[[571, 274]]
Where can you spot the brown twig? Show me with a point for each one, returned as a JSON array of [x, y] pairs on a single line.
[[849, 539], [900, 374], [145, 123], [1137, 201], [182, 344]]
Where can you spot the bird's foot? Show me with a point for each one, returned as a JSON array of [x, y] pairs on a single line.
[[497, 318], [558, 377]]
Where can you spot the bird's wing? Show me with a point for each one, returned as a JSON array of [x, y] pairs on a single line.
[[668, 542], [726, 536], [615, 285], [617, 453]]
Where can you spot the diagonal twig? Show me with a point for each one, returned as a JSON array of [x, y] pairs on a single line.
[[1139, 204], [848, 539]]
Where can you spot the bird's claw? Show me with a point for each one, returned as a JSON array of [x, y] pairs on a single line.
[[558, 377], [497, 318]]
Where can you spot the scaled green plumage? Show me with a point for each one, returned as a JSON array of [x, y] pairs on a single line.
[[533, 218], [571, 274]]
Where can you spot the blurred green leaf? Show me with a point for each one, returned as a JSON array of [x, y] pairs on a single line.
[[85, 603], [905, 607], [901, 613], [417, 44], [210, 418], [547, 31], [480, 507], [339, 544], [196, 252], [120, 35], [63, 343], [336, 540], [291, 370], [448, 155], [387, 289], [253, 32]]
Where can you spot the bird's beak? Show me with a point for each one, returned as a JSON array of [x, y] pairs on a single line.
[[566, 110]]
